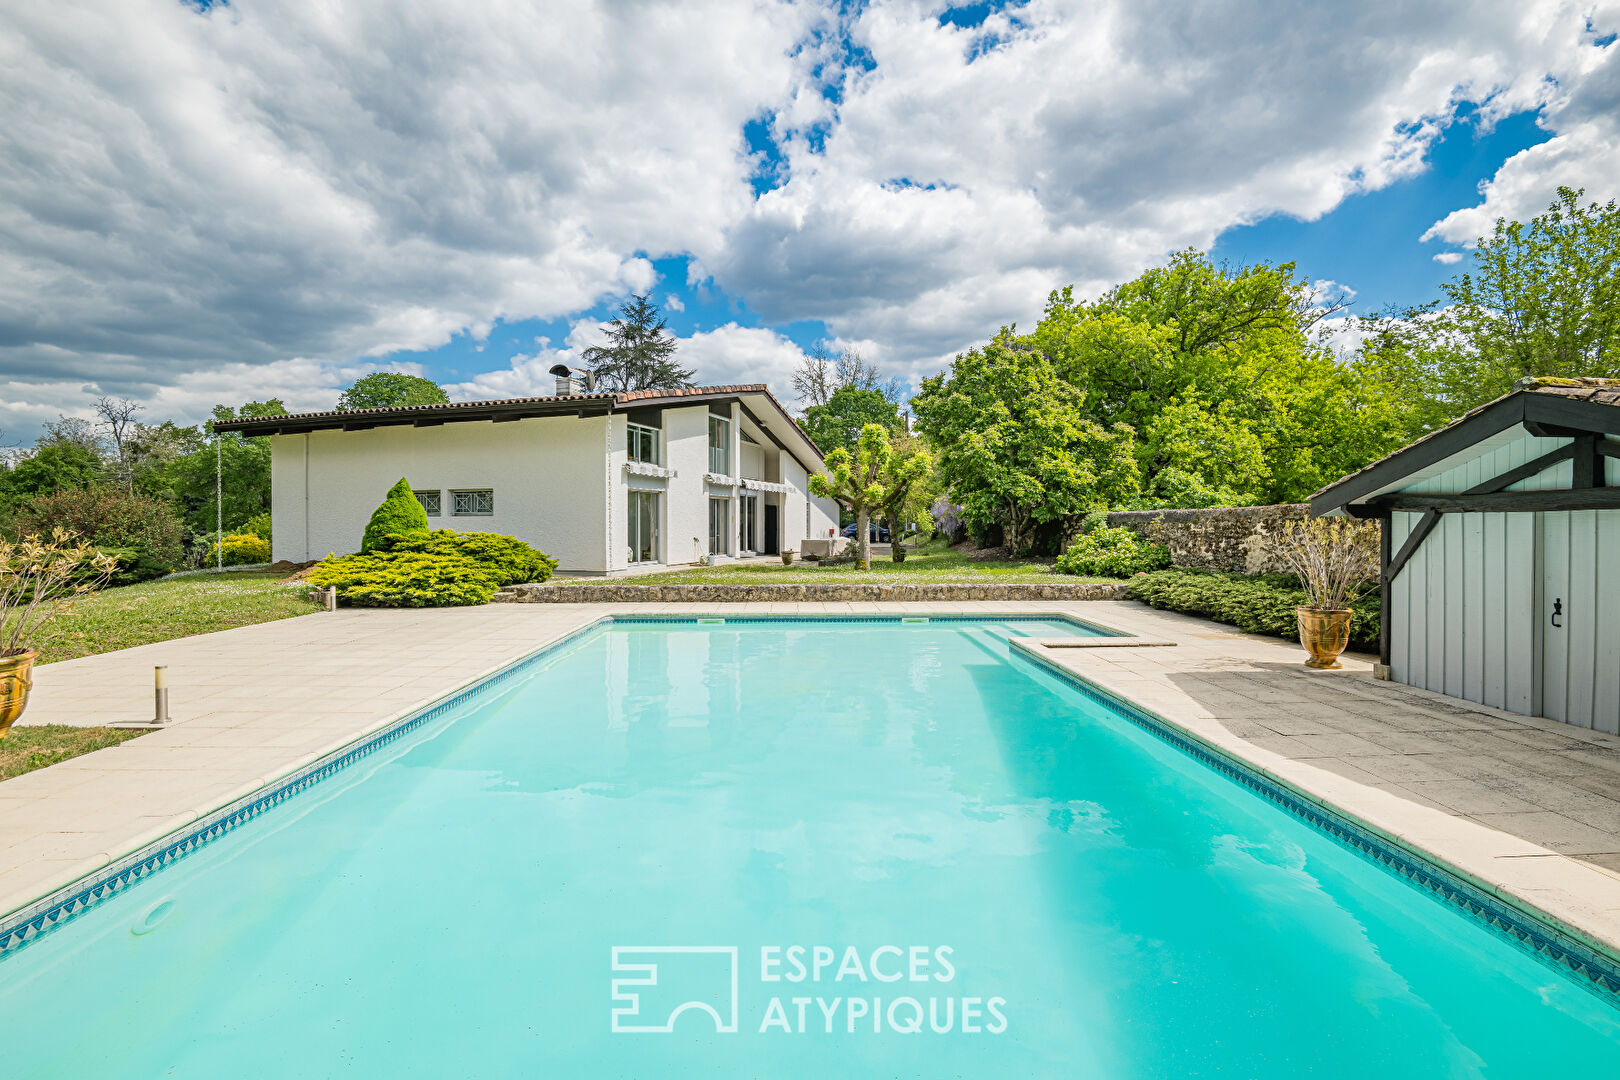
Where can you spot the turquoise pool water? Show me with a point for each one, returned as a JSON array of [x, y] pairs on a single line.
[[951, 826]]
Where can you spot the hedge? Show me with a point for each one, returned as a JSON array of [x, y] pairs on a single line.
[[1262, 604]]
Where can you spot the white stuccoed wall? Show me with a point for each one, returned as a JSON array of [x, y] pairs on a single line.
[[549, 476], [559, 484], [686, 506]]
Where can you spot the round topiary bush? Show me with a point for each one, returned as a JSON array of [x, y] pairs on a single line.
[[399, 513], [241, 549], [1112, 552]]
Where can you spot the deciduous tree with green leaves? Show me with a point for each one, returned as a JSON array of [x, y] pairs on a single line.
[[1014, 445], [391, 389], [868, 480], [839, 422], [1542, 298]]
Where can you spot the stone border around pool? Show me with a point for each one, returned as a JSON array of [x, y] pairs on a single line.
[[612, 592], [1532, 931]]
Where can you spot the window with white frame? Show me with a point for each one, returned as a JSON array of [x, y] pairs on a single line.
[[430, 502], [719, 445], [478, 502], [642, 443]]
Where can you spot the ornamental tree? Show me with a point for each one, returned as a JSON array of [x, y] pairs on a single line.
[[399, 513], [868, 481]]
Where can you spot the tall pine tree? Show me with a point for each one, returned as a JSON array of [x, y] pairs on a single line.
[[639, 354]]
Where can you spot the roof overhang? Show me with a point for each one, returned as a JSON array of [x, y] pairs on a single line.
[[761, 407], [1480, 431]]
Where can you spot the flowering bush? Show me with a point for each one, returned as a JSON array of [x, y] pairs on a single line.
[[1112, 552]]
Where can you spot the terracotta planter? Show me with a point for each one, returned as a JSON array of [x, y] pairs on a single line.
[[16, 679], [1324, 632]]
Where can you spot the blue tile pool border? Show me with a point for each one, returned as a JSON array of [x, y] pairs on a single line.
[[1566, 954], [29, 923]]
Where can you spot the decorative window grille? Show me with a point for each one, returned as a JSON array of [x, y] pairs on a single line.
[[430, 502], [472, 503]]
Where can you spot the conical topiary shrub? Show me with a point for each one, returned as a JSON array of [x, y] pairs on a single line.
[[399, 513]]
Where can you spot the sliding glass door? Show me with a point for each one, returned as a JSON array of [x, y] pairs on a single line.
[[748, 521], [643, 530], [719, 526]]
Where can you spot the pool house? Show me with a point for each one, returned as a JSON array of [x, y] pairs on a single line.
[[1501, 553]]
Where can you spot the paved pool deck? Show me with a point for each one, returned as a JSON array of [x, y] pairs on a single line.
[[1527, 808]]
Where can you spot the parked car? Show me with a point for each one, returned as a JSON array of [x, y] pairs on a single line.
[[875, 533]]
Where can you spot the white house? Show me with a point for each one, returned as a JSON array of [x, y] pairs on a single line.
[[602, 481], [1501, 552]]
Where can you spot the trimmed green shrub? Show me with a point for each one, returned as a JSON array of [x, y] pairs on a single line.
[[258, 525], [1263, 604], [509, 560], [399, 513], [442, 568], [241, 549], [405, 579], [1112, 552]]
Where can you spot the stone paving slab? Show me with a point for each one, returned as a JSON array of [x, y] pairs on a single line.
[[1528, 808]]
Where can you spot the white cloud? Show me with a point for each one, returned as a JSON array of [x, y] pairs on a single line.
[[674, 303], [1448, 257], [189, 200], [1583, 112]]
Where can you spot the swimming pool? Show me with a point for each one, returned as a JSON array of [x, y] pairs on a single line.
[[759, 824]]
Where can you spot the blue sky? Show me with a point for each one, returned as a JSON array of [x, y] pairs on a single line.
[[1372, 242], [215, 202]]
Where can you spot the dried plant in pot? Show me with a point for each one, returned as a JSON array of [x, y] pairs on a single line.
[[1336, 560], [39, 580]]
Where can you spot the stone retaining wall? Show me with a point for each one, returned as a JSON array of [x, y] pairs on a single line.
[[1233, 538], [568, 592]]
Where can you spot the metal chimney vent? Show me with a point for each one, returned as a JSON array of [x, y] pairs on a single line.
[[565, 379]]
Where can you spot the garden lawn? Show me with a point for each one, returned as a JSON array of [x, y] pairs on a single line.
[[929, 564], [179, 607], [28, 748]]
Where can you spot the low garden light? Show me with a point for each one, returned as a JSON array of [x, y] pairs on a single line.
[[160, 695]]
